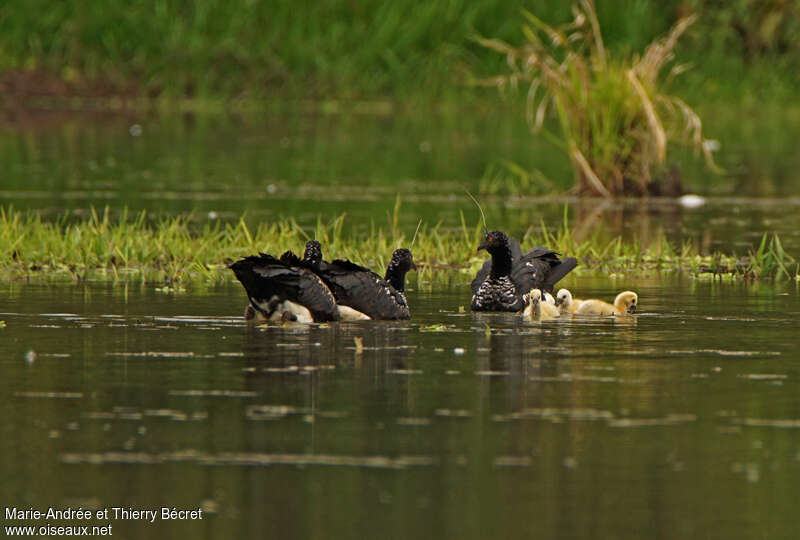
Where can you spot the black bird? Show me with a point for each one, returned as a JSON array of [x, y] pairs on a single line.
[[360, 293], [280, 290], [313, 253], [504, 281]]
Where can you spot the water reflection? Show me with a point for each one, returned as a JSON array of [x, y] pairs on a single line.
[[481, 424], [272, 166]]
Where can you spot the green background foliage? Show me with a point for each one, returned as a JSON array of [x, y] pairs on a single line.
[[366, 48]]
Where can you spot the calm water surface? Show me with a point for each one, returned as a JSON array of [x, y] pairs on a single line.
[[680, 422], [306, 166]]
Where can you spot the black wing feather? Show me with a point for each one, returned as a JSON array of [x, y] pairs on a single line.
[[291, 259], [349, 266], [540, 268], [557, 272], [516, 249], [264, 277], [363, 290]]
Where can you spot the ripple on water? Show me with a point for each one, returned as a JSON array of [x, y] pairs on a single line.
[[214, 393], [248, 459], [512, 461], [272, 412], [724, 352], [299, 369], [788, 423], [413, 421], [669, 420], [453, 413], [132, 414], [556, 415], [569, 378], [49, 395], [404, 371], [153, 354]]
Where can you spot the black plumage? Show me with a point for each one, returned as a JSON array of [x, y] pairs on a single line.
[[503, 282], [361, 289], [277, 287]]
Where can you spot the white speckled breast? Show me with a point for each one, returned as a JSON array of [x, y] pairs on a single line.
[[495, 295]]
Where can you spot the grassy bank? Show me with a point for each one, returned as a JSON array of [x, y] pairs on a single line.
[[173, 251], [346, 50]]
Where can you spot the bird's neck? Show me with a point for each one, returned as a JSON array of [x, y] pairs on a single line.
[[312, 258], [501, 262], [396, 277]]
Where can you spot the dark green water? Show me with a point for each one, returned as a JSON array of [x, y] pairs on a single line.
[[305, 166], [682, 422]]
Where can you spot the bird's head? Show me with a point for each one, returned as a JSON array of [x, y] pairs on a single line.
[[313, 253], [494, 241], [402, 260], [535, 296], [563, 297]]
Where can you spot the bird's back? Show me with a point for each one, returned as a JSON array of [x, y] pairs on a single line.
[[266, 278], [540, 268], [363, 290]]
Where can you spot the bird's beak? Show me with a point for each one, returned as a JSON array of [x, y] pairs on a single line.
[[413, 266], [632, 309], [484, 245], [559, 301]]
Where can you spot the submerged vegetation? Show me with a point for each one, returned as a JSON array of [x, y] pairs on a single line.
[[615, 120], [177, 250]]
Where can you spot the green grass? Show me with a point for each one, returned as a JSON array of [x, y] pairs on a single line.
[[335, 49], [174, 253]]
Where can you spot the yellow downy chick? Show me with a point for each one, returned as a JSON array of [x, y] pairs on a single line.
[[538, 309], [565, 302], [624, 303]]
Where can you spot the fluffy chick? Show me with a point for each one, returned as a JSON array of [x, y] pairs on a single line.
[[565, 302], [539, 309], [625, 303]]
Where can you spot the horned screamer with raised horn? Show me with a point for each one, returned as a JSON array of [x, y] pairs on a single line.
[[504, 281]]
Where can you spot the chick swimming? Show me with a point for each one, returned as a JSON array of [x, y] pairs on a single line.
[[538, 309], [566, 303], [624, 303]]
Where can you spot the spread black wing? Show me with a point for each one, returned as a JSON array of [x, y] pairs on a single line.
[[264, 278], [289, 258], [540, 268], [349, 266], [483, 273], [363, 290]]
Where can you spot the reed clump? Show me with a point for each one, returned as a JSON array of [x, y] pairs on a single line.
[[614, 117], [771, 260]]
